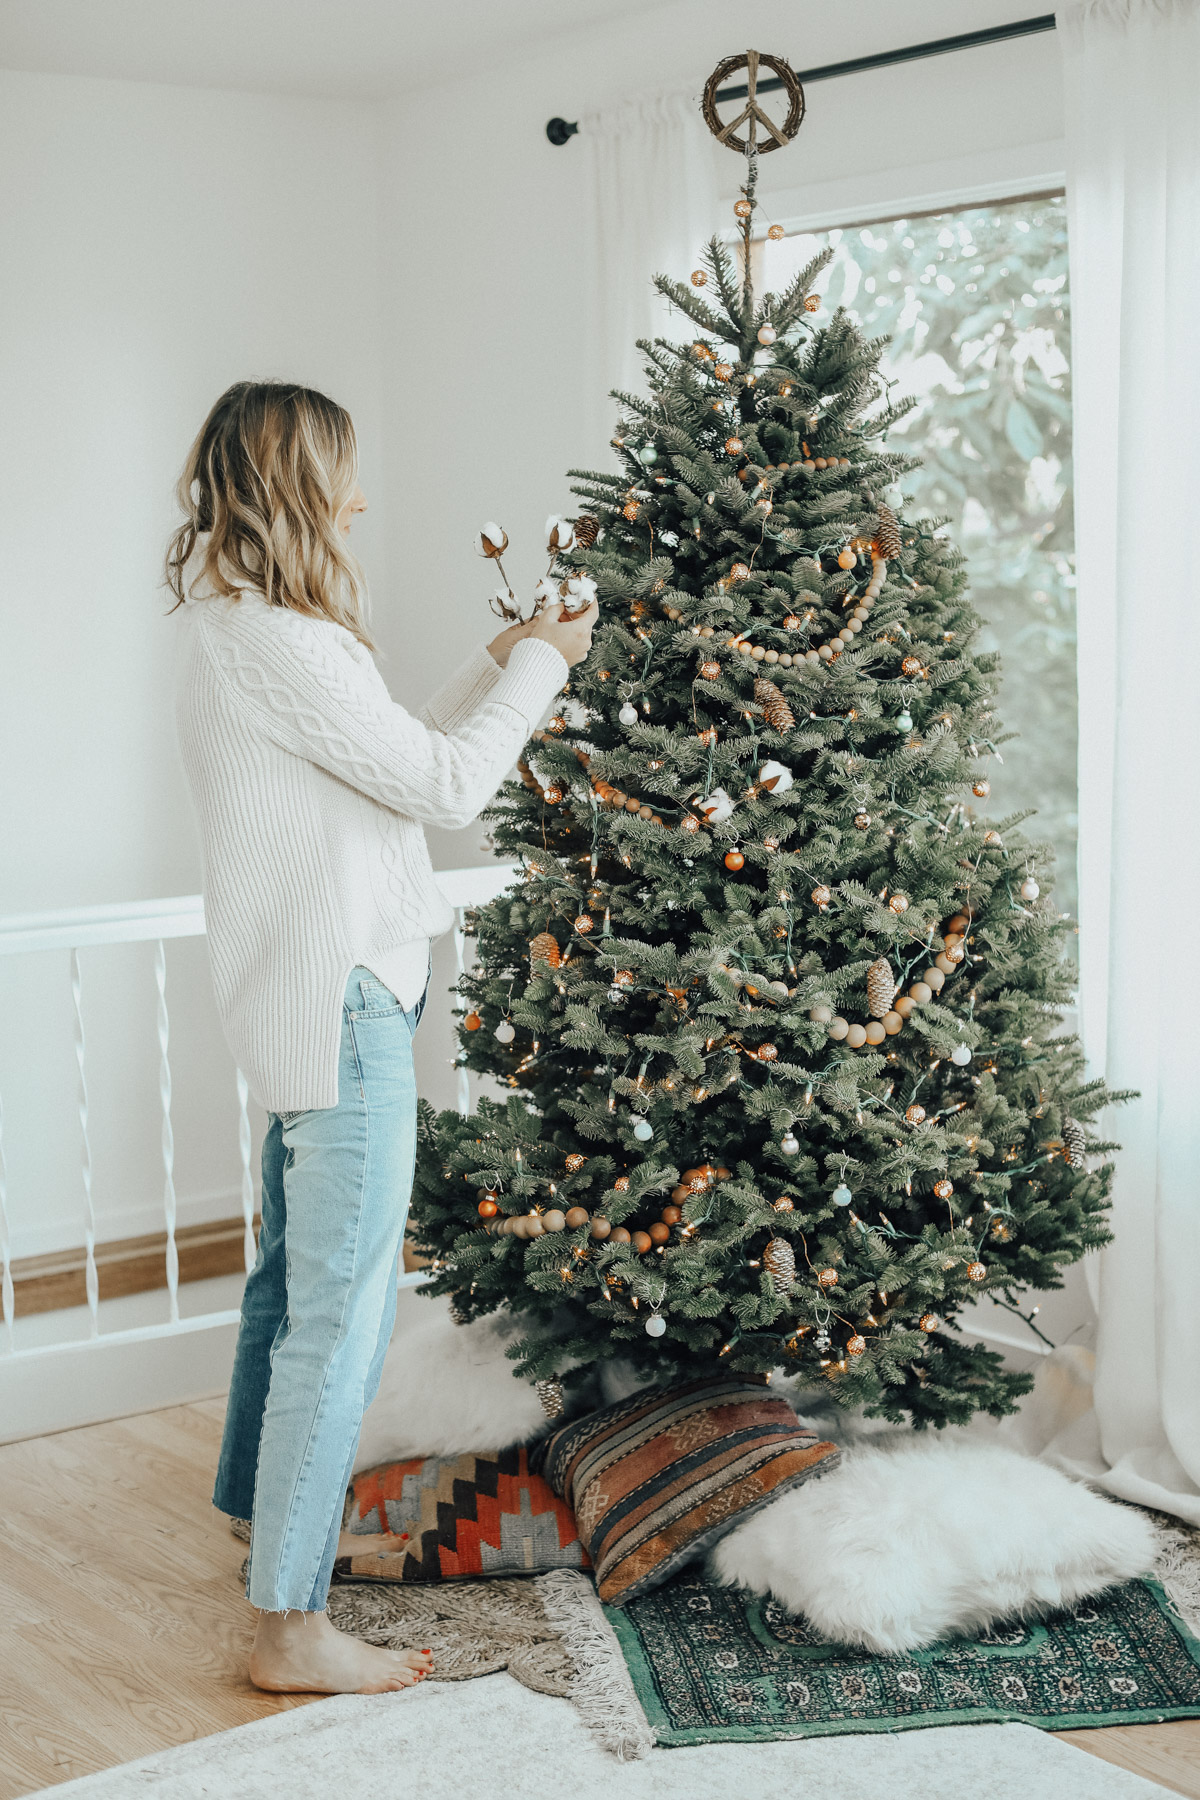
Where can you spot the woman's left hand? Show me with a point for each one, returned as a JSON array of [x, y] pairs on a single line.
[[501, 647]]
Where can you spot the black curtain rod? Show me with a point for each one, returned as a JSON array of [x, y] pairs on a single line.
[[559, 130]]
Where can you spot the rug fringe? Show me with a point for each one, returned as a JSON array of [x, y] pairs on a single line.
[[1178, 1569], [602, 1691]]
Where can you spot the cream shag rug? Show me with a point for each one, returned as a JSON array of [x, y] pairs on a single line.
[[495, 1740]]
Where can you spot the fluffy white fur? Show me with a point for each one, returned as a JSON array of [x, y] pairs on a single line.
[[446, 1388], [902, 1546]]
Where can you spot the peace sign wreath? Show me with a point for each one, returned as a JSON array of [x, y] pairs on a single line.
[[752, 114]]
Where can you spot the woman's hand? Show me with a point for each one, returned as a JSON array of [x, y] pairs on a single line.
[[500, 647], [570, 633]]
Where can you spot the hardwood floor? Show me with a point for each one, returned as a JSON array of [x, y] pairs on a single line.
[[122, 1625]]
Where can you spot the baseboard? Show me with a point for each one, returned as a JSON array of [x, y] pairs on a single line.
[[135, 1265], [131, 1265]]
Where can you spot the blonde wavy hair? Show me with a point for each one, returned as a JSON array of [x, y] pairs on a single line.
[[263, 484]]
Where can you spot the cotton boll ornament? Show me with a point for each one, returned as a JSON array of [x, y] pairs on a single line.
[[775, 777], [491, 541], [560, 534], [715, 808], [579, 595]]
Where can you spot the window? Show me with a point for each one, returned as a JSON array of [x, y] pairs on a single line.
[[976, 306]]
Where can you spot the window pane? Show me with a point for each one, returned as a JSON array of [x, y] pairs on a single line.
[[976, 305]]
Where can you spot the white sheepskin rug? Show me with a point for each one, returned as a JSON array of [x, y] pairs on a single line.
[[902, 1546], [446, 1389]]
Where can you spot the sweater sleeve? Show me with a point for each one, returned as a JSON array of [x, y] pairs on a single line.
[[316, 700], [466, 689]]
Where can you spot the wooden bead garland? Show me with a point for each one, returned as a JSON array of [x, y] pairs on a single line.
[[833, 646]]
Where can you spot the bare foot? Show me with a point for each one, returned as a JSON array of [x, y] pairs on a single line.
[[373, 1543], [303, 1653]]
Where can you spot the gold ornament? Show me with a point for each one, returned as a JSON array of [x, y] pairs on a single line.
[[544, 948], [739, 572], [821, 896], [785, 1203], [767, 1053], [776, 710], [779, 1260], [775, 232], [929, 1321], [898, 903], [881, 988], [722, 371], [911, 665], [976, 1271], [734, 446], [827, 1278], [621, 1184], [943, 1188], [862, 820], [915, 1113], [981, 789], [743, 209], [711, 671], [585, 923], [855, 1345], [552, 795], [689, 822], [812, 303], [630, 509], [699, 278], [574, 1163], [888, 539]]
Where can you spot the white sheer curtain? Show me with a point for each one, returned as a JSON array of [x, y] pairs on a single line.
[[655, 191], [1133, 133]]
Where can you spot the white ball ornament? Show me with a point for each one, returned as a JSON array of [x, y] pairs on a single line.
[[628, 714], [505, 1032], [904, 721], [961, 1055], [842, 1195], [790, 1144], [1030, 889], [655, 1325], [767, 334], [643, 1131]]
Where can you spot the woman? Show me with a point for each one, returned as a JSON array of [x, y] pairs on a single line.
[[312, 787]]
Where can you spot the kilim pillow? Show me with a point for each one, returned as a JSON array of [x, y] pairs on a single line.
[[655, 1480], [482, 1514]]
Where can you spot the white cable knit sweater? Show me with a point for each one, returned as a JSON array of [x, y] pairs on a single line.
[[312, 787]]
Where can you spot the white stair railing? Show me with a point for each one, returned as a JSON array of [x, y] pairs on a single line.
[[51, 1386]]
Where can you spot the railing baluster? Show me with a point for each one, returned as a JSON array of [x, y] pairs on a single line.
[[6, 1280], [168, 1135], [460, 957], [249, 1250], [91, 1278]]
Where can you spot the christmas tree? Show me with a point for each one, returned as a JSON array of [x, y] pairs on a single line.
[[778, 1004]]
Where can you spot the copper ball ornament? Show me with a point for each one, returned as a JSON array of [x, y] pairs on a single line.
[[976, 1271], [585, 923], [943, 1188], [734, 859], [699, 278], [487, 1209], [827, 1278], [710, 670], [981, 789], [855, 1345], [915, 1113], [929, 1321], [472, 1022]]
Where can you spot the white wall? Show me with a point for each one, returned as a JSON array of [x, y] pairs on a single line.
[[155, 244]]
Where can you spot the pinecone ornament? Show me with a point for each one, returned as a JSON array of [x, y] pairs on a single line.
[[881, 987], [586, 532], [887, 539], [544, 948], [550, 1393], [457, 1315], [1074, 1142], [779, 1260], [770, 697]]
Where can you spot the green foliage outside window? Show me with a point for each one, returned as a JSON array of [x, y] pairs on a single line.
[[976, 305]]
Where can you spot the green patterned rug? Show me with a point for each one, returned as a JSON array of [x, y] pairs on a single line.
[[712, 1664]]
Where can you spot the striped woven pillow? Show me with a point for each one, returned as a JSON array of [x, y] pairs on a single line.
[[655, 1480]]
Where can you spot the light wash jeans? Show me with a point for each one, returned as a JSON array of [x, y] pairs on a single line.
[[320, 1302]]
